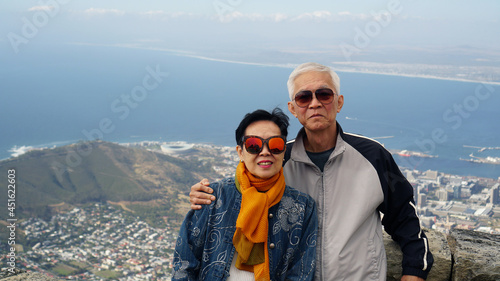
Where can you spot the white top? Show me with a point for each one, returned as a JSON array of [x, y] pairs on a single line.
[[236, 274]]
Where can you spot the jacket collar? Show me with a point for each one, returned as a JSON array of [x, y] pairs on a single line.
[[299, 152]]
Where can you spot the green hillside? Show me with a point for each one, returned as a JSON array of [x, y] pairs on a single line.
[[152, 185]]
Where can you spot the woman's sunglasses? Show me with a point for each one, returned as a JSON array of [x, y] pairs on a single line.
[[304, 98], [255, 144]]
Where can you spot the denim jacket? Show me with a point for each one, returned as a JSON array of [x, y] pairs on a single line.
[[204, 249]]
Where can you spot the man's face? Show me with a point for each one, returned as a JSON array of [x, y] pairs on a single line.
[[316, 116]]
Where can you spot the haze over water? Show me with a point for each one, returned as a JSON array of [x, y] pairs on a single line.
[[169, 70], [84, 92]]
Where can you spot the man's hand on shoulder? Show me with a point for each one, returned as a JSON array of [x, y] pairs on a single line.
[[200, 194], [411, 278]]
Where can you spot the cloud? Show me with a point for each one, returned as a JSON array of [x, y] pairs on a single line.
[[310, 16], [232, 16], [154, 13], [328, 16], [162, 15], [98, 11], [45, 8], [157, 14], [236, 15], [313, 15], [280, 17], [344, 13]]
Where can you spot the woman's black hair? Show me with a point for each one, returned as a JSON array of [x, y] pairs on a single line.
[[277, 116]]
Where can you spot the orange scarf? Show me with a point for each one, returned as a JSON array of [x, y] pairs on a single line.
[[252, 225]]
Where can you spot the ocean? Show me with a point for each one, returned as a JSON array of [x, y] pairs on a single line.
[[56, 95]]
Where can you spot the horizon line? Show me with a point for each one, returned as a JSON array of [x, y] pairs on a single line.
[[192, 54]]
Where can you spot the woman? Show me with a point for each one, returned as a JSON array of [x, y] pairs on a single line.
[[258, 228]]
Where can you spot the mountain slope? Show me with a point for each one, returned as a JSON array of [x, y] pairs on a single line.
[[141, 180]]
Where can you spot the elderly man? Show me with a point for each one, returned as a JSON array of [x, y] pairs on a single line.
[[353, 179]]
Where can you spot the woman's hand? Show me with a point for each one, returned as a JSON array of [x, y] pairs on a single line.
[[200, 194]]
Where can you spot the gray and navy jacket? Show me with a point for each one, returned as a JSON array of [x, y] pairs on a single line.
[[360, 180]]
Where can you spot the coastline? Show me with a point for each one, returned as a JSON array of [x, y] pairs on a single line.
[[347, 70], [452, 151], [402, 157], [334, 65]]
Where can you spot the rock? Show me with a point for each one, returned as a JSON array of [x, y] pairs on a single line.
[[475, 255], [394, 257], [6, 272], [443, 262], [463, 255], [22, 275], [441, 270]]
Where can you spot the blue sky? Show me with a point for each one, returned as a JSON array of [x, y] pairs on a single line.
[[443, 32], [487, 10], [402, 36]]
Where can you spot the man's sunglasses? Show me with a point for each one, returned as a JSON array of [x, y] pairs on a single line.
[[255, 144], [304, 98]]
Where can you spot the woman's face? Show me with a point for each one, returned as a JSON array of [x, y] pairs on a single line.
[[265, 164]]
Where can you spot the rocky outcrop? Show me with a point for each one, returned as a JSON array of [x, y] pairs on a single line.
[[460, 256], [475, 255], [22, 275]]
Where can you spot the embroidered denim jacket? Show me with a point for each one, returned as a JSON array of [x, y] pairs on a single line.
[[204, 249]]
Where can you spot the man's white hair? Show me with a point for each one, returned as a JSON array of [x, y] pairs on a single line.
[[308, 67]]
